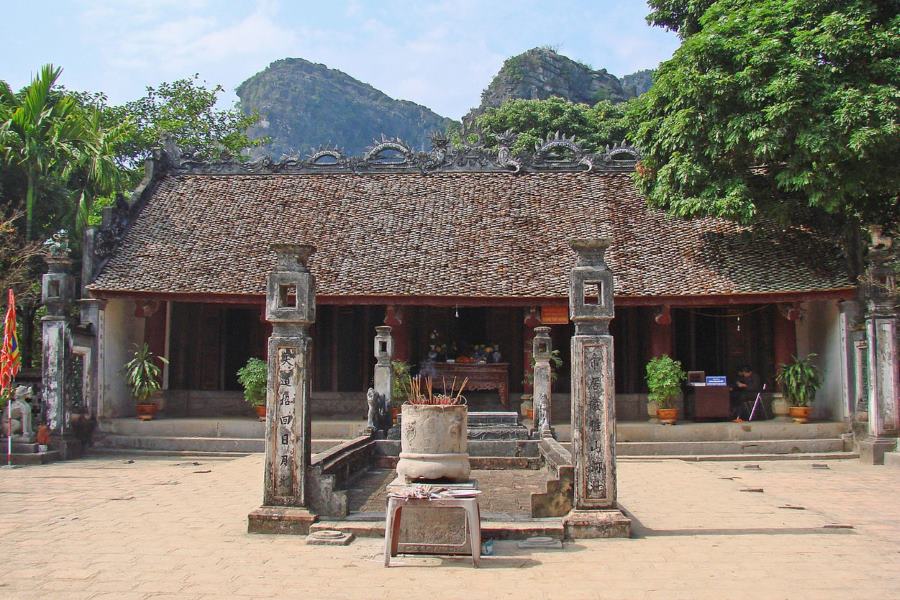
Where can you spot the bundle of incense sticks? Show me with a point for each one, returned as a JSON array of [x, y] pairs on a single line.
[[422, 392]]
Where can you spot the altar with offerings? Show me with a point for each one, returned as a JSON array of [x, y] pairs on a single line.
[[481, 376]]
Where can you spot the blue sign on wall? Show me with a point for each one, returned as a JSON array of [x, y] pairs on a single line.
[[716, 380]]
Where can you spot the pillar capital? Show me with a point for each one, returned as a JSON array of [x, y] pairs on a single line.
[[591, 287]]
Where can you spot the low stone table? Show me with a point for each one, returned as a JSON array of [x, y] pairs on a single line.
[[426, 507]]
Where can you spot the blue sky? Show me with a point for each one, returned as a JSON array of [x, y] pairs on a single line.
[[441, 53]]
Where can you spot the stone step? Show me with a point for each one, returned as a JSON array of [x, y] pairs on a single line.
[[32, 458], [745, 457], [236, 427], [197, 444], [892, 459], [788, 446], [490, 530], [487, 463]]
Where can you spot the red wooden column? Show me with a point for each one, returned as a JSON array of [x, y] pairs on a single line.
[[396, 318], [784, 334], [661, 332], [532, 320]]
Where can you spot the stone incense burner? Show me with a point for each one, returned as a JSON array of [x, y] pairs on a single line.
[[433, 436]]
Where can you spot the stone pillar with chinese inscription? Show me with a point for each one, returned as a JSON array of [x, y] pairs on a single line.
[[543, 377], [596, 512], [883, 359], [291, 309]]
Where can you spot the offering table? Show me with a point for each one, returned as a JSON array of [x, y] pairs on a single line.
[[489, 376]]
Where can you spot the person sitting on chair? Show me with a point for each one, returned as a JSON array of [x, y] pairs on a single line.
[[744, 393]]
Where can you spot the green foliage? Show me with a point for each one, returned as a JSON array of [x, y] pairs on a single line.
[[556, 363], [142, 373], [41, 132], [799, 380], [400, 383], [63, 152], [253, 376], [681, 16], [185, 110], [664, 377], [535, 120], [774, 107]]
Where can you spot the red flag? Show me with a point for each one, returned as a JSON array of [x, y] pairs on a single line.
[[10, 360]]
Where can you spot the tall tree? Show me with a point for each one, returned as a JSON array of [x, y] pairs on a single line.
[[533, 120], [40, 130], [186, 110], [781, 107]]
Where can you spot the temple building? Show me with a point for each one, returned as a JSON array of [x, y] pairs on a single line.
[[457, 250]]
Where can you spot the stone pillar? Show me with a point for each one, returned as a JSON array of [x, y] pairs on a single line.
[[883, 374], [542, 347], [532, 320], [384, 377], [57, 292], [291, 308], [593, 397]]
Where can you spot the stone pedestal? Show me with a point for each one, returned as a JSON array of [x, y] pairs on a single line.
[[593, 396], [587, 524], [872, 449], [543, 381], [291, 308], [425, 530]]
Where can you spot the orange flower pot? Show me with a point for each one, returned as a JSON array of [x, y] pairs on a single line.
[[800, 414], [668, 416], [146, 411], [260, 411]]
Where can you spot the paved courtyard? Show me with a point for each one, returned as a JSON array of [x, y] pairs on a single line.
[[122, 528]]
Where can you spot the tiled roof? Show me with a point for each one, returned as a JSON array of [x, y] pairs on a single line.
[[447, 234]]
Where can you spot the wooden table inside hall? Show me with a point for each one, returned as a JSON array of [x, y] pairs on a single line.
[[488, 376]]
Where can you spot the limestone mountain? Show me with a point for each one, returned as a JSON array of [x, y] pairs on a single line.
[[541, 73], [639, 82], [304, 105]]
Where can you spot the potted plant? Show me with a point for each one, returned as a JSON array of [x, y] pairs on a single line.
[[399, 387], [799, 381], [253, 377], [664, 377], [142, 375]]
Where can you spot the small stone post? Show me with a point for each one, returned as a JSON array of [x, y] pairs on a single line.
[[883, 361], [57, 291], [291, 308], [384, 374], [542, 347], [593, 397]]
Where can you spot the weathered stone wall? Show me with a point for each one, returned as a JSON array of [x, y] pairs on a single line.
[[121, 330], [819, 331]]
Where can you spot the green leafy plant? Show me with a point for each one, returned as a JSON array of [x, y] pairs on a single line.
[[556, 363], [400, 384], [664, 377], [253, 376], [799, 380], [142, 373]]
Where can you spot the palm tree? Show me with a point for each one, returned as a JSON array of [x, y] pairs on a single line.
[[94, 170], [39, 131]]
